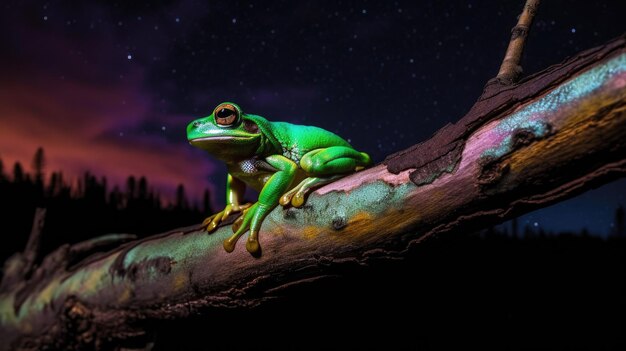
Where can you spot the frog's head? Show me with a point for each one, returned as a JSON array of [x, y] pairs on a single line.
[[227, 134]]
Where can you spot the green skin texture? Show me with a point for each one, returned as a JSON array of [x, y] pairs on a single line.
[[282, 161]]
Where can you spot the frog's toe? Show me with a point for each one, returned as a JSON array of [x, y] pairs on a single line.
[[229, 244], [214, 223], [210, 222], [298, 199], [252, 244], [285, 199], [207, 221]]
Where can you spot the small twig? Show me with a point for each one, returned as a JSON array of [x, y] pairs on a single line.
[[511, 70], [32, 247]]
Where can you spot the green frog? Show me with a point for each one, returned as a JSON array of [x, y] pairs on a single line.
[[282, 161]]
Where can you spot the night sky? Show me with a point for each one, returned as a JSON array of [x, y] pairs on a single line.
[[110, 86]]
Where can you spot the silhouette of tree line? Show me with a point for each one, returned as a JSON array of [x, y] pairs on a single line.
[[617, 228], [85, 207]]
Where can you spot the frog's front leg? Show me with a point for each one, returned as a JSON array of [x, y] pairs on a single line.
[[235, 189], [278, 183]]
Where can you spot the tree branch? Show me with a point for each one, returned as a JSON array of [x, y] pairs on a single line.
[[511, 70], [552, 136]]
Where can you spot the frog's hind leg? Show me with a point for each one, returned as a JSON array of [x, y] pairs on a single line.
[[334, 160], [325, 166]]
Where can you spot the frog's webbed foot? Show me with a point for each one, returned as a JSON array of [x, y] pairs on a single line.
[[240, 226], [297, 196], [213, 221]]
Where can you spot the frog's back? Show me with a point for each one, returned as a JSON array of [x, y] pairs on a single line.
[[305, 138]]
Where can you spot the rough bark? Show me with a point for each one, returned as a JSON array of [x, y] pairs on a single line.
[[520, 148]]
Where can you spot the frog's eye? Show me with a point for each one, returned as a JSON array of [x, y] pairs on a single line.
[[226, 115]]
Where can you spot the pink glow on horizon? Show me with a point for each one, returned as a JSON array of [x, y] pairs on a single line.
[[78, 123]]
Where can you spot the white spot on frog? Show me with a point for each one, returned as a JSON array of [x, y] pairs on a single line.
[[292, 152], [248, 166]]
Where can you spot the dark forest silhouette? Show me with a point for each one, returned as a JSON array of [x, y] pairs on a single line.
[[82, 208]]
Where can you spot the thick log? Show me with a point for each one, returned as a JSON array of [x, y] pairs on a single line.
[[526, 146]]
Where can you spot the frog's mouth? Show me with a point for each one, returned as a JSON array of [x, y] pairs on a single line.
[[218, 139], [227, 147]]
